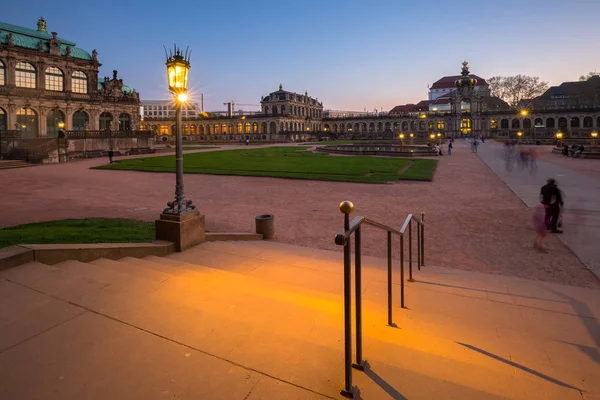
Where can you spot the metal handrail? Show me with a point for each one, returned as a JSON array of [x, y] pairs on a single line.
[[343, 239]]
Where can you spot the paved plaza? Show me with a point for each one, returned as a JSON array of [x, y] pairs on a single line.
[[474, 221]]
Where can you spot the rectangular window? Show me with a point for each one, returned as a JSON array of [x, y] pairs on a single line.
[[2, 73]]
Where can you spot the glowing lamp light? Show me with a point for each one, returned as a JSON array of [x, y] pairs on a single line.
[[432, 136], [519, 134], [594, 135], [61, 125], [559, 135], [178, 67], [412, 135], [182, 97], [439, 135], [524, 113], [401, 136]]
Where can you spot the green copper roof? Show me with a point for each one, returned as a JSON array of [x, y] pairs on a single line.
[[29, 39], [126, 89]]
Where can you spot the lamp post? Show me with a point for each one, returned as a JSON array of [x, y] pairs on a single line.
[[439, 136], [519, 135], [559, 137], [432, 137], [401, 136], [178, 66], [412, 138], [180, 222], [594, 138]]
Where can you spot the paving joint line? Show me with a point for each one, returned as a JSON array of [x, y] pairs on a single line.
[[167, 339]]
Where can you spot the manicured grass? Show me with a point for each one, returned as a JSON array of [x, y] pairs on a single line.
[[288, 162], [88, 230], [327, 142]]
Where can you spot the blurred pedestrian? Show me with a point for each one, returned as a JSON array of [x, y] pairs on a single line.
[[450, 148], [551, 197], [539, 223]]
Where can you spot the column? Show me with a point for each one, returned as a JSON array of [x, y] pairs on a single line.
[[42, 122]]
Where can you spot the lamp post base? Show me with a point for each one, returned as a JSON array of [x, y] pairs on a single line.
[[185, 230]]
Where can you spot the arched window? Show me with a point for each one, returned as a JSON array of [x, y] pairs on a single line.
[[371, 127], [173, 130], [255, 128], [283, 109], [363, 127], [2, 119], [494, 124], [356, 127], [575, 122], [201, 129], [274, 111], [430, 125], [239, 128], [106, 121], [515, 124], [54, 79], [526, 123], [154, 129], [53, 119], [247, 127], [379, 127], [27, 119], [263, 127], [2, 74], [562, 123], [588, 122], [224, 128], [550, 123], [80, 120], [25, 75], [273, 128], [421, 125], [216, 127], [504, 124], [598, 122], [441, 125], [184, 129], [413, 125], [404, 125], [230, 130], [193, 129], [266, 109], [164, 130], [124, 122], [79, 82], [287, 127], [538, 122]]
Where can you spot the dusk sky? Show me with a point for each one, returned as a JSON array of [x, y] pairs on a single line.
[[351, 55]]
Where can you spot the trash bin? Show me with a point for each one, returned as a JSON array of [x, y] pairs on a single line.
[[265, 224]]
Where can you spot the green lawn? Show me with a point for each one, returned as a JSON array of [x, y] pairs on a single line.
[[288, 162], [89, 230], [327, 142]]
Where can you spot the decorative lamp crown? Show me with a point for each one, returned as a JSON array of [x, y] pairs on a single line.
[[41, 25], [178, 67], [465, 81]]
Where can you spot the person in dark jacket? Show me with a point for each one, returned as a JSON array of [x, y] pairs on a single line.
[[110, 156], [551, 198]]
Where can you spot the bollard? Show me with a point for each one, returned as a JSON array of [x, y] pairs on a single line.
[[265, 225]]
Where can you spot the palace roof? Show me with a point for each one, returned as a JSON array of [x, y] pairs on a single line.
[[447, 82], [29, 39]]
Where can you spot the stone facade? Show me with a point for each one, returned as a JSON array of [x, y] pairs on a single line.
[[47, 84]]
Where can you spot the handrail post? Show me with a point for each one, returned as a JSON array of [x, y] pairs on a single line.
[[402, 271], [389, 283], [346, 207], [357, 282], [423, 239], [410, 278], [419, 245]]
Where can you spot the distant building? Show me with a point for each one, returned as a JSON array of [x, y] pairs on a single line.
[[166, 109], [47, 81]]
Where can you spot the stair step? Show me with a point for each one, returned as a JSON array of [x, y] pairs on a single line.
[[132, 269]]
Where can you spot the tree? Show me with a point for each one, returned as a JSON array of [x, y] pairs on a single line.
[[589, 75], [513, 89]]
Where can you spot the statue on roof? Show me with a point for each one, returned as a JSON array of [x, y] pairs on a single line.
[[68, 51], [280, 86], [9, 39], [41, 25], [94, 55], [40, 45], [114, 74]]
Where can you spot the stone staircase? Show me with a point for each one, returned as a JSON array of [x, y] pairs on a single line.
[[9, 164], [264, 320]]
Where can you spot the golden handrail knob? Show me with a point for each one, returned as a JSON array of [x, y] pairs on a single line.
[[346, 207]]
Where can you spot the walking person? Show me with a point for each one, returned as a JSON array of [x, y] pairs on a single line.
[[551, 197], [110, 156], [450, 148]]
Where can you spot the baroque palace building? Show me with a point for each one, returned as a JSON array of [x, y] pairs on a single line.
[[47, 84], [284, 116], [466, 107]]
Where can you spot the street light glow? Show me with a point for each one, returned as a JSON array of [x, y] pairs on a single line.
[[524, 112], [182, 97]]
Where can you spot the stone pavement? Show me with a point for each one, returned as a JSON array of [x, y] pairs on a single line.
[[581, 216], [264, 320], [466, 229]]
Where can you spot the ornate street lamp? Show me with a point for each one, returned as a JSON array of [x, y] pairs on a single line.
[[178, 66], [559, 137], [594, 138], [519, 135]]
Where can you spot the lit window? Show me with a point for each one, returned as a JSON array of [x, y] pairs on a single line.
[[79, 82], [54, 79], [2, 72], [25, 75]]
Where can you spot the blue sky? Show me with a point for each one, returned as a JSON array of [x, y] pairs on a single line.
[[352, 55]]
